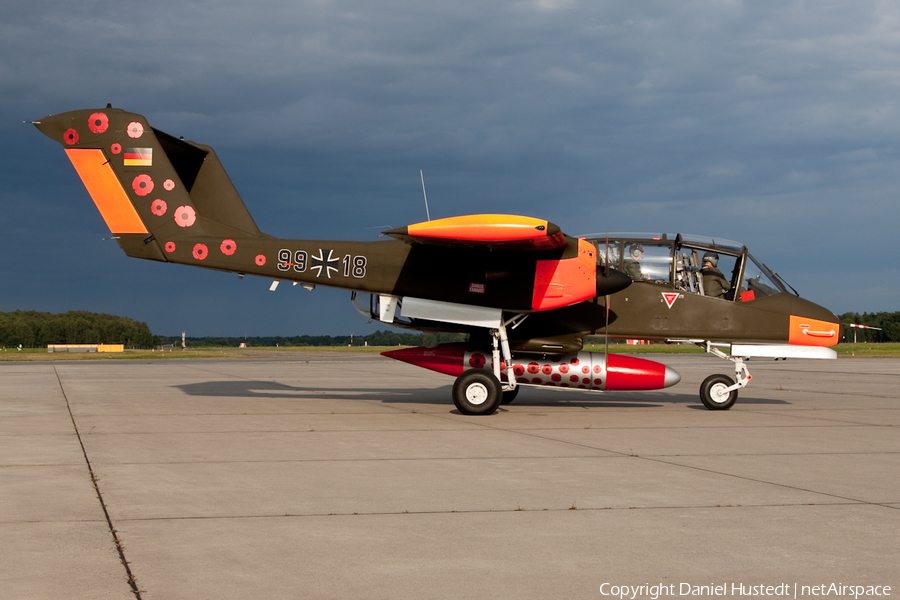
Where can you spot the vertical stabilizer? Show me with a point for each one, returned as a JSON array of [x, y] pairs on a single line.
[[152, 189]]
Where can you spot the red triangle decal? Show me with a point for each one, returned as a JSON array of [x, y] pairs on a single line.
[[670, 298]]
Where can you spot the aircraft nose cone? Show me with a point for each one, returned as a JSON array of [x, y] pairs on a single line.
[[616, 281], [671, 378]]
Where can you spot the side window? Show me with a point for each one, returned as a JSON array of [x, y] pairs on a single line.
[[612, 251], [648, 262]]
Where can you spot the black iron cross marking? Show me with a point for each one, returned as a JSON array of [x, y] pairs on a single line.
[[319, 263]]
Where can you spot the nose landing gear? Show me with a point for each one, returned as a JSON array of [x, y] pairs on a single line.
[[720, 392], [716, 392]]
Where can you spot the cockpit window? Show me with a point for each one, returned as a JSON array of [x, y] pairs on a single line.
[[706, 272], [648, 262], [757, 282]]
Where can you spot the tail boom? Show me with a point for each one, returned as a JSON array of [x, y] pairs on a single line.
[[167, 199]]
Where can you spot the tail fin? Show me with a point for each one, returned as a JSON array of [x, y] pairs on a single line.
[[149, 186]]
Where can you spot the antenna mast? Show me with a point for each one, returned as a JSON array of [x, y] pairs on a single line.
[[427, 214]]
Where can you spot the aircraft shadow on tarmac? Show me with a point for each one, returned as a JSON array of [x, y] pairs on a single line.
[[534, 397], [271, 390]]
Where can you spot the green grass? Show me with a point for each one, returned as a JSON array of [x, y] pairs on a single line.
[[870, 350], [41, 354]]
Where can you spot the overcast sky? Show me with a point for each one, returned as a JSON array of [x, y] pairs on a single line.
[[772, 123]]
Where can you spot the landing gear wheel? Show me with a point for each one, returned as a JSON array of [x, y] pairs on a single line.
[[509, 396], [477, 392], [713, 394]]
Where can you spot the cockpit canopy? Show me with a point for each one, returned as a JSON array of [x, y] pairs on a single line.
[[691, 264]]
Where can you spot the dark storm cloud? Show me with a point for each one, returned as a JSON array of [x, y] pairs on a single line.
[[772, 123]]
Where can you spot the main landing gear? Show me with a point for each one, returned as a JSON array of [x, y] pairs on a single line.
[[477, 393], [509, 395], [720, 392], [480, 392]]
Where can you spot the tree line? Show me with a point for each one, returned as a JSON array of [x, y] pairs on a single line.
[[378, 338], [889, 322], [32, 329], [37, 329]]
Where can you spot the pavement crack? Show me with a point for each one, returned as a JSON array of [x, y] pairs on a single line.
[[94, 481], [496, 511]]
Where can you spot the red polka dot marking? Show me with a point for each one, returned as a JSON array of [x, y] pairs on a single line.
[[185, 216], [158, 207], [142, 185], [135, 130], [98, 122]]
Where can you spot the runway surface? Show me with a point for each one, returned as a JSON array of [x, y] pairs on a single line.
[[352, 476]]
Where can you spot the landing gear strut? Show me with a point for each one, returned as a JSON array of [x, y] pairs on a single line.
[[480, 392], [720, 392]]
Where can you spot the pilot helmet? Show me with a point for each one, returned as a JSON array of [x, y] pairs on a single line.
[[636, 249], [712, 258]]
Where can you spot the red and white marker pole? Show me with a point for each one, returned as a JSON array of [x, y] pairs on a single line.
[[855, 326]]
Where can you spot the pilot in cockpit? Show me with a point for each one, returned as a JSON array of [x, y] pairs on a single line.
[[632, 265], [714, 282]]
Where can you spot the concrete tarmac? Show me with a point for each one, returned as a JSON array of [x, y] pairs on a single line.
[[353, 476]]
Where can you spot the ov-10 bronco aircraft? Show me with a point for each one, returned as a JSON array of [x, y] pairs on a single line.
[[525, 292]]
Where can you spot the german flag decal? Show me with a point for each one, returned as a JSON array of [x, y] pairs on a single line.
[[138, 157]]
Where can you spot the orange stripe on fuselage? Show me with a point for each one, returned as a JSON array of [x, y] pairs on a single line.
[[559, 283], [106, 191], [810, 332]]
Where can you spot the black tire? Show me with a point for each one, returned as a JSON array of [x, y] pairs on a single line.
[[477, 392], [711, 392], [509, 396]]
